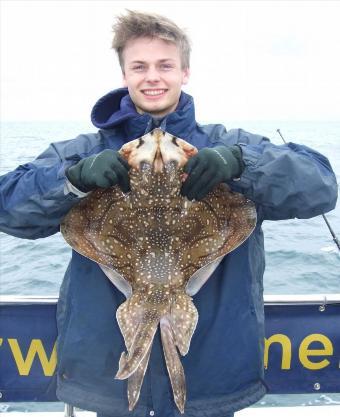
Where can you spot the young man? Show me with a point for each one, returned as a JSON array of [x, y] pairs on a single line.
[[224, 367]]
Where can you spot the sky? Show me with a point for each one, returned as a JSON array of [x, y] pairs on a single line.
[[251, 60]]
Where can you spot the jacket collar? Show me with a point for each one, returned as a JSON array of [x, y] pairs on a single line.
[[116, 108]]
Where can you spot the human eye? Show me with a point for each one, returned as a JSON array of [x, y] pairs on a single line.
[[138, 67], [166, 66]]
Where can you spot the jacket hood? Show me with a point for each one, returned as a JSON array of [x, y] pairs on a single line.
[[116, 108]]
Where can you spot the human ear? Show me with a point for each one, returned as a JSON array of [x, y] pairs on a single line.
[[124, 80], [186, 76]]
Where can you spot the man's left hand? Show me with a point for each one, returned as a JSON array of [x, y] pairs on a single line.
[[209, 167]]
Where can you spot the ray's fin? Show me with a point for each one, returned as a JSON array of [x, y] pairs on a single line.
[[138, 326], [183, 319], [135, 381], [128, 324]]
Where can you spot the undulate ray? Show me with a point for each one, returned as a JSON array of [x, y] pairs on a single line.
[[158, 249]]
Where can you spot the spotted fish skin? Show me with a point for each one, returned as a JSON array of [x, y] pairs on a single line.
[[160, 248]]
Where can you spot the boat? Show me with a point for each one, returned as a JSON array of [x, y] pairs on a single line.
[[301, 352]]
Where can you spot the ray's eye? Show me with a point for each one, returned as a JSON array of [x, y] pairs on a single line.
[[174, 141], [141, 141]]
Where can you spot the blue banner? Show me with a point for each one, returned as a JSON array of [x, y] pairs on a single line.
[[28, 352], [301, 350]]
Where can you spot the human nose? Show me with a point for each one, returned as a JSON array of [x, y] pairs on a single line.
[[152, 75]]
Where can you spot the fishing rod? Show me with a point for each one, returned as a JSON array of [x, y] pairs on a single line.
[[335, 239]]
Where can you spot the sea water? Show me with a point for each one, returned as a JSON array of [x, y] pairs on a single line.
[[301, 257]]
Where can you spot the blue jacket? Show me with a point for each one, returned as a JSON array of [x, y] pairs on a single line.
[[224, 366]]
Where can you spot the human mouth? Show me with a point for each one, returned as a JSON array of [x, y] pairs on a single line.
[[154, 93]]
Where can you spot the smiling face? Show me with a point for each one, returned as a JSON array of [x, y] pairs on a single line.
[[153, 74]]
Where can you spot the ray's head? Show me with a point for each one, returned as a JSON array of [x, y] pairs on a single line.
[[158, 149]]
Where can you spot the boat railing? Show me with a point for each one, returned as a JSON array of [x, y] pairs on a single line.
[[301, 346]]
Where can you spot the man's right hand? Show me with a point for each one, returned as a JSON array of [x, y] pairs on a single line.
[[104, 170]]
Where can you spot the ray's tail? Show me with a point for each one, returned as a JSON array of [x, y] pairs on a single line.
[[177, 329], [138, 322], [173, 363]]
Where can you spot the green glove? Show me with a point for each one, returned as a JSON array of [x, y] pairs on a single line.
[[103, 170], [209, 167]]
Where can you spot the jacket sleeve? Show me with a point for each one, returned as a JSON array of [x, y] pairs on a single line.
[[32, 197], [287, 181]]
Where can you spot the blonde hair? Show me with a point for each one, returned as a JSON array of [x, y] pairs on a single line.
[[135, 25]]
